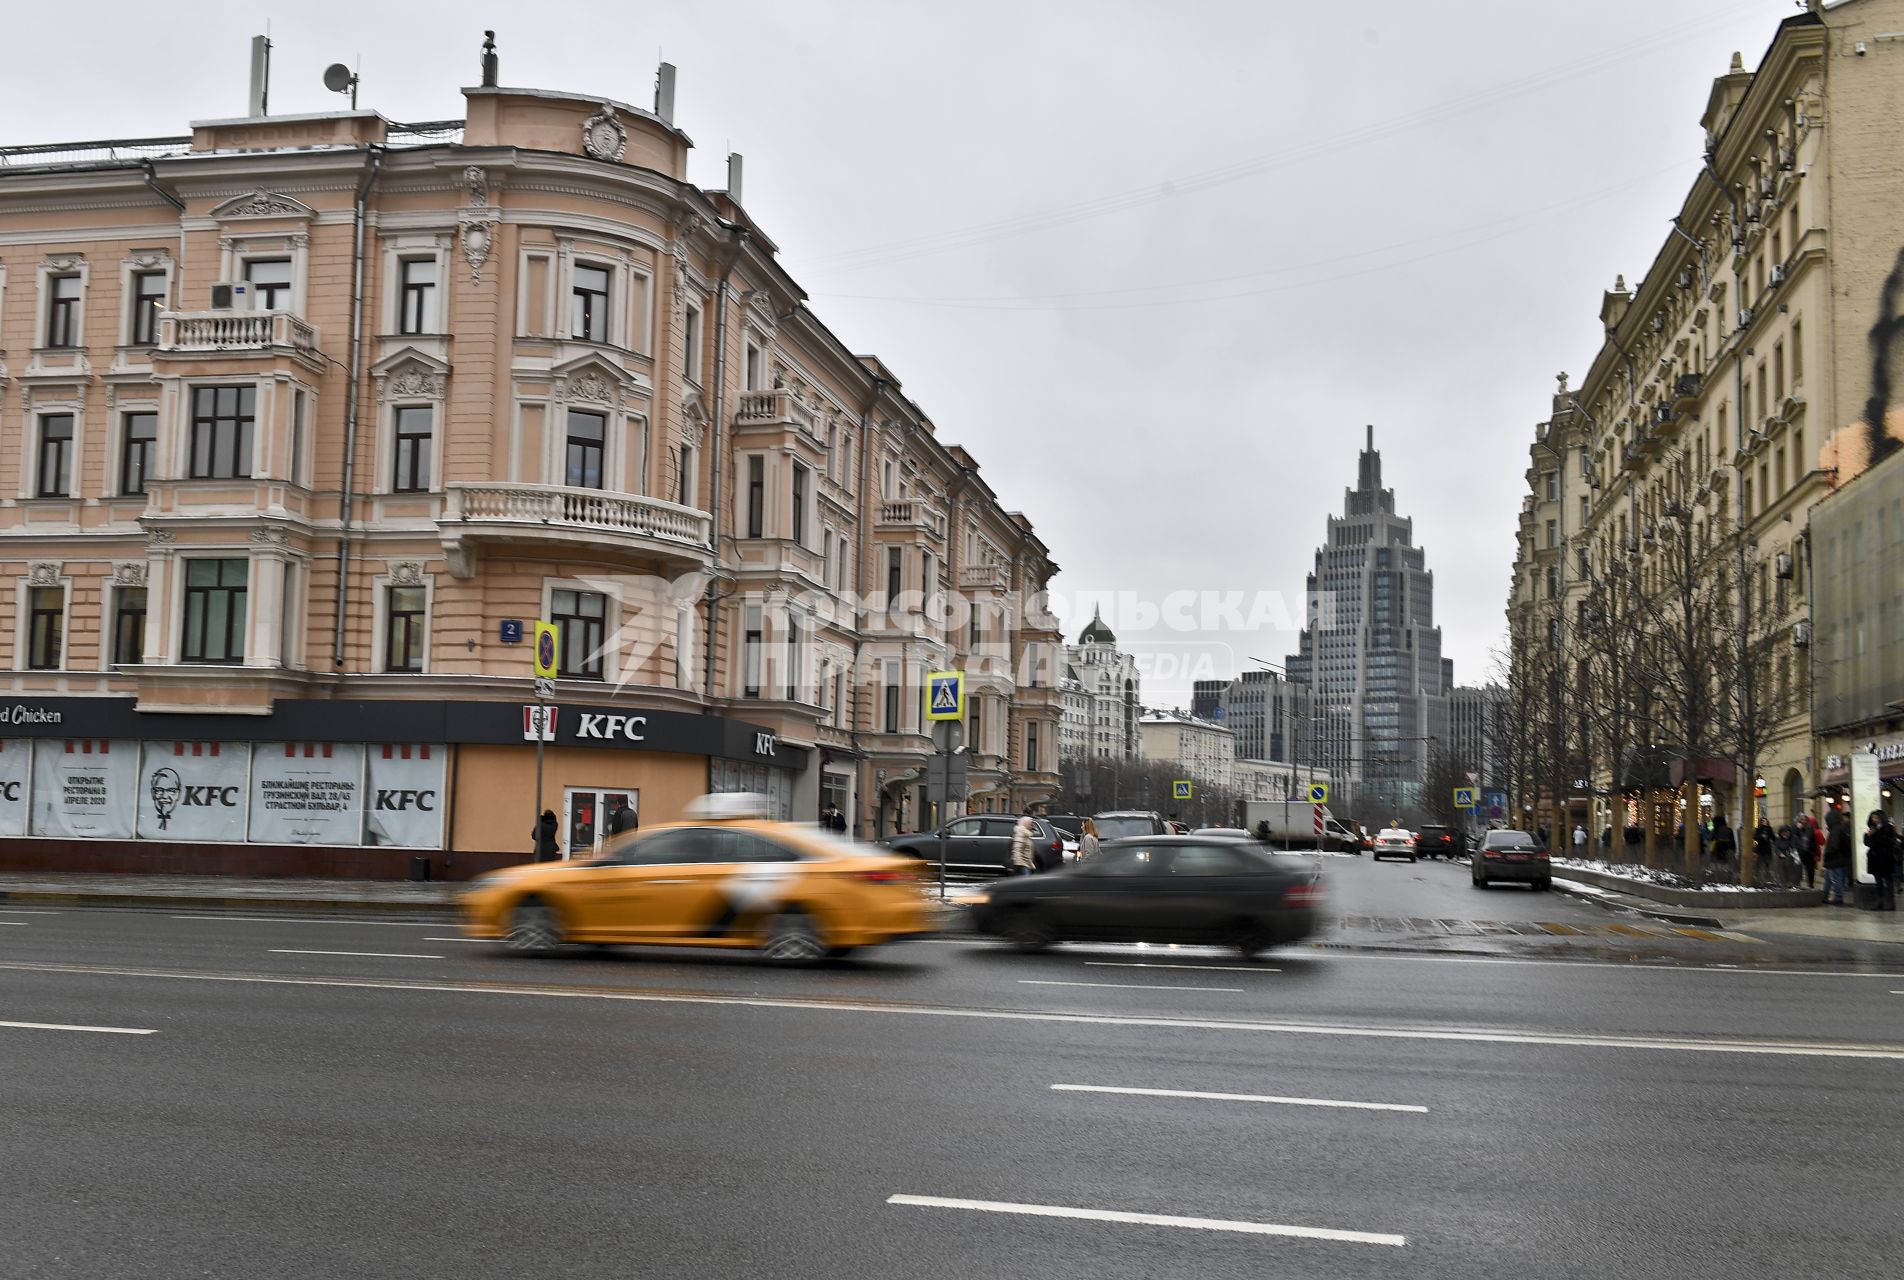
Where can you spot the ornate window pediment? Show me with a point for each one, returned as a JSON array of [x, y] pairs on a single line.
[[263, 204], [410, 374], [593, 379]]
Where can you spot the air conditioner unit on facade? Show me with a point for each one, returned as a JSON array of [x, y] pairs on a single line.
[[1782, 564], [1801, 634], [1778, 273], [231, 295]]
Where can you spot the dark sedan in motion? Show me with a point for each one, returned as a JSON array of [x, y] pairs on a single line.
[[1204, 888]]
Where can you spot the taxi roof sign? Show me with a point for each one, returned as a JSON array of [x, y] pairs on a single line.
[[1318, 793], [945, 695]]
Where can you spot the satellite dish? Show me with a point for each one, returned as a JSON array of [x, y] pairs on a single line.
[[338, 79]]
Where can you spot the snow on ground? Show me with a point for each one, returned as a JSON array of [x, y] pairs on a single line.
[[1665, 879]]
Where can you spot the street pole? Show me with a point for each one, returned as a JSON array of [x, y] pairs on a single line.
[[945, 778], [541, 728]]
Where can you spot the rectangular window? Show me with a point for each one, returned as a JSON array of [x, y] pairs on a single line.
[[892, 697], [270, 281], [1798, 353], [1553, 534], [582, 618], [148, 299], [895, 574], [691, 344], [62, 311], [753, 368], [138, 438], [415, 430], [296, 471], [1778, 370], [46, 624], [800, 504], [750, 642], [975, 741], [56, 455], [215, 610], [685, 494], [756, 496], [978, 627], [588, 304], [793, 661], [1031, 746], [128, 626], [416, 312], [403, 629], [587, 443], [222, 420]]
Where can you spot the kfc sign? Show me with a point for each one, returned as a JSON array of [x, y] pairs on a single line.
[[610, 728]]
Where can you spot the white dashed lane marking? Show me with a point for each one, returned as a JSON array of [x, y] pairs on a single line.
[[1152, 1220], [1242, 1097]]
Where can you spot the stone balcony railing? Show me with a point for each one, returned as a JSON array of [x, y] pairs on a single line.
[[544, 513], [910, 513], [767, 408], [215, 331], [988, 576]]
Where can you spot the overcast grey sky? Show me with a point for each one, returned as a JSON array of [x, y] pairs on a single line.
[[1154, 264]]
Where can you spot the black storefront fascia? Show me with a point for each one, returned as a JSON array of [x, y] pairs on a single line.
[[345, 720]]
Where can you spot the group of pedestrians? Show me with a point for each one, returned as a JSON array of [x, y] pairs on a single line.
[[1881, 843], [1024, 845]]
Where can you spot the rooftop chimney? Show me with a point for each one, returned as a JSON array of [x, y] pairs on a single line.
[[733, 176], [664, 93], [491, 68], [260, 77]]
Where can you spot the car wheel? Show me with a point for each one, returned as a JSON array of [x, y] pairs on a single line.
[[1251, 939], [1028, 929], [839, 953], [534, 928], [1542, 886], [1413, 858], [793, 938]]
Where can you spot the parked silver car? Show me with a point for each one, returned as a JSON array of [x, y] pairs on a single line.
[[1511, 855]]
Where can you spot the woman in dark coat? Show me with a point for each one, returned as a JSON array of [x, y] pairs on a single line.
[[546, 848], [1837, 856], [1880, 842]]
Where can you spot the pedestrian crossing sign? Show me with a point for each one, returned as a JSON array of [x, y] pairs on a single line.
[[1180, 789], [1318, 793], [945, 695], [1464, 798]]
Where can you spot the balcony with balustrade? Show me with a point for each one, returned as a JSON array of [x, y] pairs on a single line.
[[558, 519], [214, 335], [911, 519]]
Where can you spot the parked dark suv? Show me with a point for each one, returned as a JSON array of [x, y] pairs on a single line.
[[1440, 842]]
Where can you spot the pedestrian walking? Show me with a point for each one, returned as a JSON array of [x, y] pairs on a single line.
[[1024, 853], [1579, 841], [546, 848], [1807, 843], [1087, 839], [839, 821], [1881, 845], [1765, 847], [1837, 856], [621, 818], [1606, 838], [1724, 843]]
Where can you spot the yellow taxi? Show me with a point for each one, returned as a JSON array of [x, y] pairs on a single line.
[[723, 877]]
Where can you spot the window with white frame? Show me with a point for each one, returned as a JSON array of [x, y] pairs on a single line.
[[691, 344], [223, 419], [753, 368], [215, 610], [46, 628], [685, 488], [585, 449], [756, 496], [413, 436], [54, 470], [64, 296], [406, 623], [582, 620], [148, 297], [751, 641], [588, 302], [128, 626], [138, 442], [416, 295], [801, 488], [793, 660], [270, 281]]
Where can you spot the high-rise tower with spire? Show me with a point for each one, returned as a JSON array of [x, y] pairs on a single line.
[[1371, 649]]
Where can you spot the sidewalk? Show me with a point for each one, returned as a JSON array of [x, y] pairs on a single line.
[[225, 893], [1833, 924]]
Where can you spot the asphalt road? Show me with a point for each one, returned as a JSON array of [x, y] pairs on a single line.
[[232, 1096]]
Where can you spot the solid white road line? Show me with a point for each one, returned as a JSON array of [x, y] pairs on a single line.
[[1152, 1220], [388, 924], [60, 1026], [19, 911], [1213, 968], [1128, 986], [1474, 1035], [19, 924], [1241, 1097], [375, 955], [480, 942]]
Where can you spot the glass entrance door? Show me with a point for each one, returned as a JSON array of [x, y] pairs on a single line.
[[593, 814]]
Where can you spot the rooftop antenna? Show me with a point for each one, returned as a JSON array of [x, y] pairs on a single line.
[[260, 76], [339, 78]]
